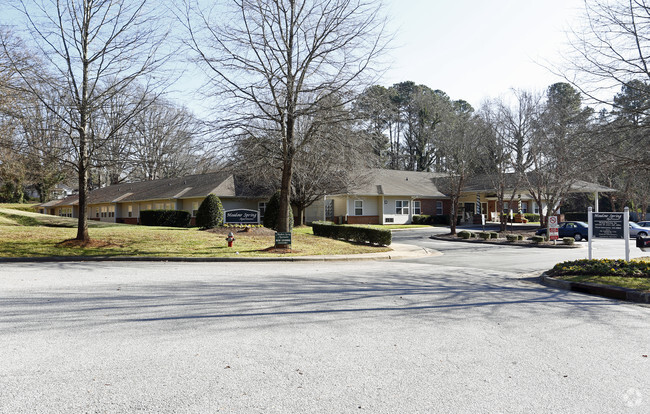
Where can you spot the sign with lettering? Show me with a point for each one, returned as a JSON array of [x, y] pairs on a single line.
[[283, 237], [608, 225], [553, 228], [241, 216]]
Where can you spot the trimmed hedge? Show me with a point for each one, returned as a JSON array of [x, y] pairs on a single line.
[[166, 218], [568, 240], [464, 234], [431, 220], [538, 239], [531, 216], [484, 235], [352, 233], [602, 267], [511, 237]]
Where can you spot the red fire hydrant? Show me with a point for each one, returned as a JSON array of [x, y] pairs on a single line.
[[230, 239]]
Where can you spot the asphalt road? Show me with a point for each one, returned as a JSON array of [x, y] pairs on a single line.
[[461, 332]]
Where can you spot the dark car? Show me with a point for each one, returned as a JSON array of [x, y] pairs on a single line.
[[576, 229]]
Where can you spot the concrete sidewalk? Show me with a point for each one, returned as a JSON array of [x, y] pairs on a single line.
[[400, 251]]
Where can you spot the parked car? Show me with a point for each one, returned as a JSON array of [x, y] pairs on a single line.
[[637, 230], [579, 230]]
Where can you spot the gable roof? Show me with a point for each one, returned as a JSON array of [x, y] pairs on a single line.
[[483, 183], [377, 182], [222, 184]]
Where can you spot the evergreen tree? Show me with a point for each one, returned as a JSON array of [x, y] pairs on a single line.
[[210, 213], [272, 211]]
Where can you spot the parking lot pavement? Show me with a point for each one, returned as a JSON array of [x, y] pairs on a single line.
[[378, 337]]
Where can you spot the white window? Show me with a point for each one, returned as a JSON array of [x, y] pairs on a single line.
[[261, 207], [195, 208], [524, 207], [416, 208], [535, 208], [96, 211], [169, 206], [129, 210], [111, 211], [158, 206], [439, 208], [505, 207], [358, 207], [104, 210], [401, 207]]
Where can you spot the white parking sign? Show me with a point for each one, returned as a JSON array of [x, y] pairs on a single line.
[[553, 228]]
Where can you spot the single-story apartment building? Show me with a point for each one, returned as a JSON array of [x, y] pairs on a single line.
[[380, 197], [122, 203]]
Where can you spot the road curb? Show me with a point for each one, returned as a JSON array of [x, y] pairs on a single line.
[[597, 289], [402, 253], [507, 243]]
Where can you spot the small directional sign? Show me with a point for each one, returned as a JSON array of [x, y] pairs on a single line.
[[283, 237]]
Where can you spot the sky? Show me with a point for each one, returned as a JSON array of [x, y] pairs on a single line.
[[477, 49]]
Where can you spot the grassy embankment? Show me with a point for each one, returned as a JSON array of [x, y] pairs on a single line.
[[28, 234]]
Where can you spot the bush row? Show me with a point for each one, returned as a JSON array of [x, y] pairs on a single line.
[[576, 216], [531, 216], [431, 220], [167, 218], [352, 233], [602, 267]]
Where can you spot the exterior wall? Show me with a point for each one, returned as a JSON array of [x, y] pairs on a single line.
[[363, 220], [339, 205], [390, 210], [430, 206], [315, 212]]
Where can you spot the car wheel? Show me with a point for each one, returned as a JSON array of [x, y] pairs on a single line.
[[577, 237], [641, 234]]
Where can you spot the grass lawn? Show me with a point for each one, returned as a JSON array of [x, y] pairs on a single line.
[[25, 234], [638, 283]]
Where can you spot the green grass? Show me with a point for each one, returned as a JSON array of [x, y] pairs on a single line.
[[31, 207], [577, 271], [638, 283], [24, 234]]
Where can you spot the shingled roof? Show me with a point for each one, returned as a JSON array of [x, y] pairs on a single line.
[[222, 184], [484, 183], [377, 182]]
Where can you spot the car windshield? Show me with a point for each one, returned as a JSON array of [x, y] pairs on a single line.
[[634, 225]]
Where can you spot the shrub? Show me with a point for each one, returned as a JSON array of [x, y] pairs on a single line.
[[272, 212], [465, 234], [444, 220], [494, 235], [531, 217], [538, 239], [602, 267], [484, 235], [512, 237], [421, 219], [167, 218], [568, 240], [576, 216], [520, 236], [472, 235], [352, 233], [210, 213]]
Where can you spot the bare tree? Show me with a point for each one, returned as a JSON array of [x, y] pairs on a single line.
[[612, 51], [458, 153], [92, 50], [505, 149], [273, 62], [560, 146]]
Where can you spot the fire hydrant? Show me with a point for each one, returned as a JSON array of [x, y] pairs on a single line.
[[230, 239]]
